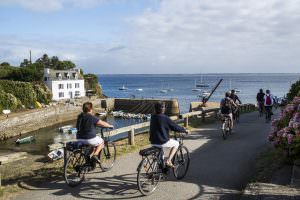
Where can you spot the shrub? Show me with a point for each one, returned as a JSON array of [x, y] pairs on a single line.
[[294, 91], [8, 101], [43, 94], [21, 90], [285, 133]]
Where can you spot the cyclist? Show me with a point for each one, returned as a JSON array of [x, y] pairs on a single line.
[[268, 103], [260, 100], [86, 126], [160, 126], [235, 99], [227, 106]]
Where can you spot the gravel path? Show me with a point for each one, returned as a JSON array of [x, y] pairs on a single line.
[[219, 169]]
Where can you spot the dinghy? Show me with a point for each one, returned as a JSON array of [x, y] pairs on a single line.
[[25, 140]]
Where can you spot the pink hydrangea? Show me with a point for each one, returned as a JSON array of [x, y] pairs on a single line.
[[290, 138], [296, 100], [296, 125]]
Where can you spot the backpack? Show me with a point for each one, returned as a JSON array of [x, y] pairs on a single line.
[[268, 100], [226, 108]]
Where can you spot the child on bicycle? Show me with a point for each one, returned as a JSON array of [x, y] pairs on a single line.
[[160, 126], [86, 129]]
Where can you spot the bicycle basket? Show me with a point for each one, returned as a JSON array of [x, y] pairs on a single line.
[[149, 151]]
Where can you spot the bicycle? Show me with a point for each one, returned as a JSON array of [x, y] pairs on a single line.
[[236, 114], [226, 126], [268, 113], [153, 169], [260, 109], [78, 163]]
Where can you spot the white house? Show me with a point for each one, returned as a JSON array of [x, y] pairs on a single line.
[[64, 84]]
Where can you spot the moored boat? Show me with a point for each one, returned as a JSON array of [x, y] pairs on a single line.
[[65, 129], [123, 88], [56, 154], [72, 131], [25, 140]]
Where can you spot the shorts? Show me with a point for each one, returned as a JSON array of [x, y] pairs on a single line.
[[96, 141], [171, 143]]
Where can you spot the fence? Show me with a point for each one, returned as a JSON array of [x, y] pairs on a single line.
[[184, 117]]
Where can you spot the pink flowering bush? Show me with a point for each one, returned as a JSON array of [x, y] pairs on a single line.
[[285, 132]]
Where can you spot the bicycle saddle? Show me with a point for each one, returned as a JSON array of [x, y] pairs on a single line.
[[149, 151]]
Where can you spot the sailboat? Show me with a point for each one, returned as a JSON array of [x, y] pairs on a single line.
[[195, 89], [235, 89], [123, 88], [201, 84]]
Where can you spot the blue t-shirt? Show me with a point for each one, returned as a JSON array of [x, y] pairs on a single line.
[[160, 126], [86, 126]]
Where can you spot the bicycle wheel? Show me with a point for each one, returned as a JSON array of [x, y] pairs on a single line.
[[148, 175], [224, 130], [107, 156], [181, 161], [74, 168]]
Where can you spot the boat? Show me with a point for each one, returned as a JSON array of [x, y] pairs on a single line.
[[123, 88], [139, 89], [64, 129], [25, 140], [196, 89], [56, 154], [163, 91], [201, 84], [72, 131], [204, 94], [170, 89], [237, 90]]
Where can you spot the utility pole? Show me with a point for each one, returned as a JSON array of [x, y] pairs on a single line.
[[30, 57]]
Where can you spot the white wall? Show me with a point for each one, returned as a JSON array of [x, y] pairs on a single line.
[[53, 86]]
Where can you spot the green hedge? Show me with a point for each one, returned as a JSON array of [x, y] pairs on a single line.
[[27, 93], [294, 91], [43, 94], [8, 101]]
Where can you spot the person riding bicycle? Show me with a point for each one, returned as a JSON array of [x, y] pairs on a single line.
[[268, 104], [86, 129], [227, 106], [160, 126], [235, 99], [260, 100]]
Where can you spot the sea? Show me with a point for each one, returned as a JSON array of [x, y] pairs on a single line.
[[151, 85], [181, 86]]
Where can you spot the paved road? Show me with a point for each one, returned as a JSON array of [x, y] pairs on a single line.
[[219, 169]]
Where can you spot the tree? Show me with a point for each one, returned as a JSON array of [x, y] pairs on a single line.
[[25, 63], [5, 64]]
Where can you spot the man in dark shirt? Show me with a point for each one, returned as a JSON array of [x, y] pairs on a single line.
[[86, 126], [160, 126], [260, 100]]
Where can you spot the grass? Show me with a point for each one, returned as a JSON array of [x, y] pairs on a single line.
[[36, 169], [267, 163]]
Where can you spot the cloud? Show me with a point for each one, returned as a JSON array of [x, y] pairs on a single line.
[[51, 5], [187, 37]]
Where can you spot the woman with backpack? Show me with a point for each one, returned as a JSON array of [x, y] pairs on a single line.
[[268, 103]]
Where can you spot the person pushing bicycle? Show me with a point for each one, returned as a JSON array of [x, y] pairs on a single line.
[[86, 129], [160, 126]]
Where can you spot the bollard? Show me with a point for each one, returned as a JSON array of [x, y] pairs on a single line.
[[131, 137], [186, 122]]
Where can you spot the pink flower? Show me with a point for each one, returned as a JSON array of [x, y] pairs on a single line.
[[290, 138]]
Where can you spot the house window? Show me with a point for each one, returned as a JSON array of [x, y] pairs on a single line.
[[61, 94], [69, 85], [60, 86], [77, 93], [76, 85], [58, 75]]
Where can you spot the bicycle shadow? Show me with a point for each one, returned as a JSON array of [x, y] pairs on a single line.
[[118, 186]]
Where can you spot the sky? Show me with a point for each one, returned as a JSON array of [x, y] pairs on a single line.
[[155, 36]]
